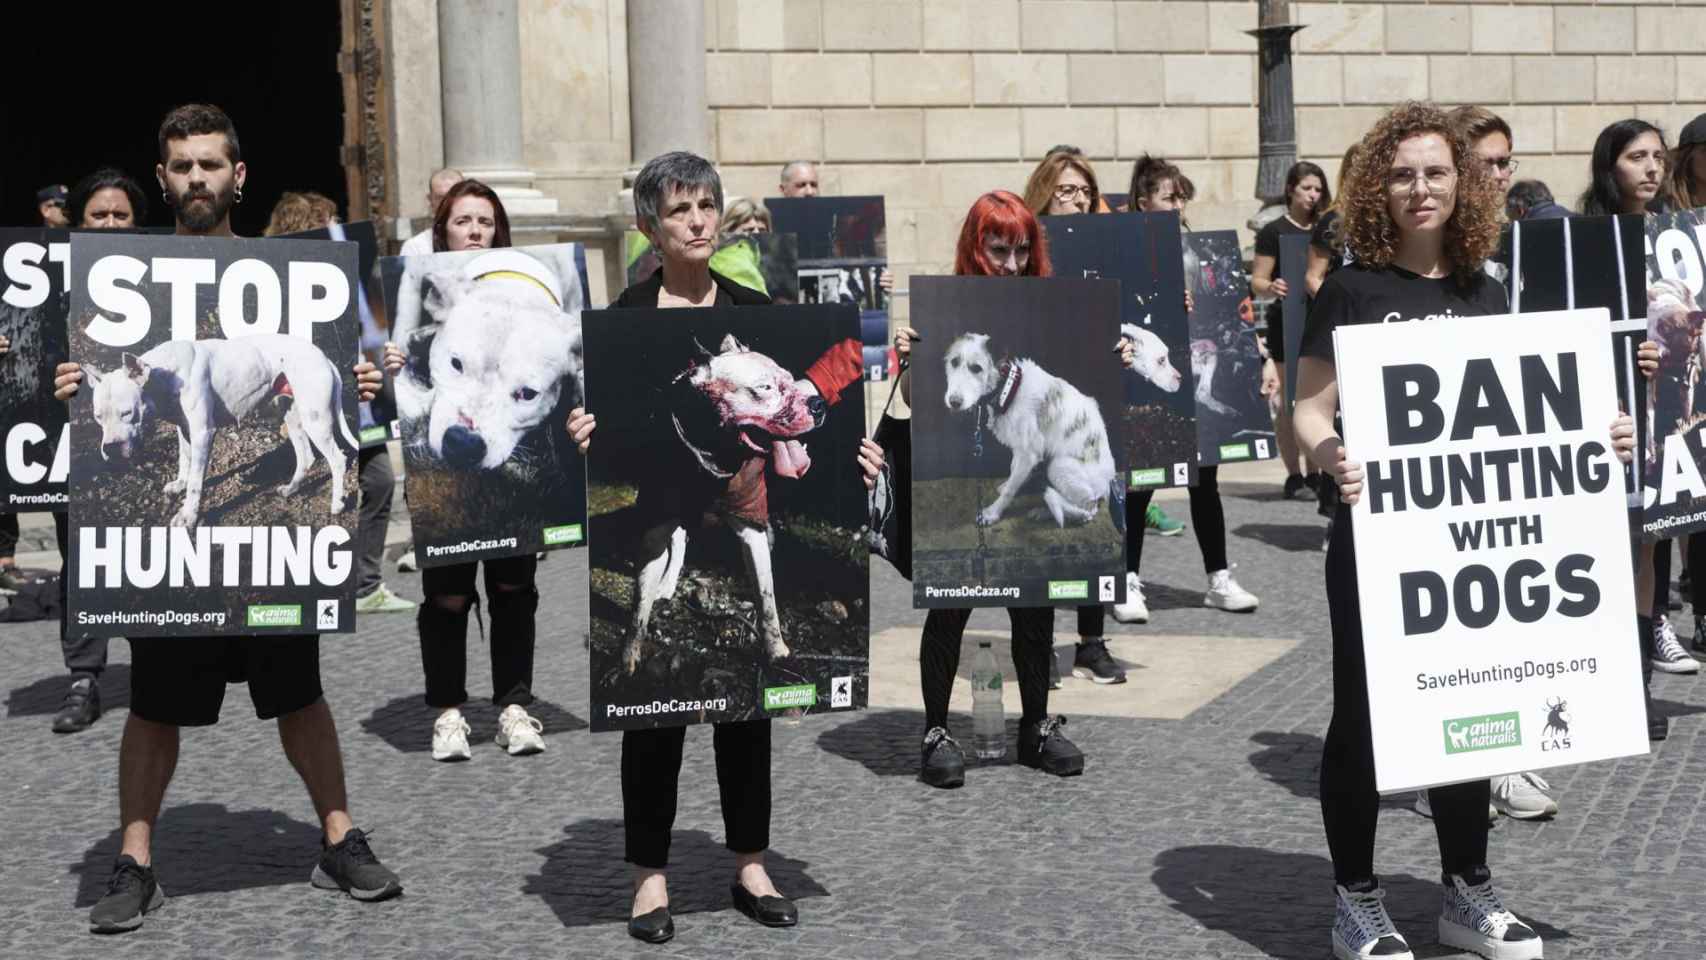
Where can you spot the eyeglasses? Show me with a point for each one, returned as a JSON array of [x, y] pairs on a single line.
[[1503, 164], [1437, 180], [1068, 192]]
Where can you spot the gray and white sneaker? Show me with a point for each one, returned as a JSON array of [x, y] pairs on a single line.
[[1425, 808], [1224, 593], [519, 733], [1473, 918], [1133, 610], [1668, 655], [1524, 796], [1362, 929], [450, 737]]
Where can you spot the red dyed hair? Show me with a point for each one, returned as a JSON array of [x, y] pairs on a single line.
[[1002, 214]]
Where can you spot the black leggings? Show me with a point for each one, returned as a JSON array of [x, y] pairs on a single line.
[[651, 774], [1350, 807], [1207, 516], [939, 659], [1697, 567], [1661, 578], [511, 600]]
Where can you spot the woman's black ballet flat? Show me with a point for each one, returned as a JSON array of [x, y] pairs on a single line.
[[770, 911], [655, 927]]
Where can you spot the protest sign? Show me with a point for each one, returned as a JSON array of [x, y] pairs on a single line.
[[1017, 495], [1497, 637], [1294, 307], [213, 472], [1673, 456], [379, 415], [33, 303], [493, 341], [843, 252], [729, 574], [1157, 434], [1233, 422]]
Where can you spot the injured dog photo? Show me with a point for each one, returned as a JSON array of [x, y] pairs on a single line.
[[726, 514], [492, 347], [1018, 496], [1233, 422]]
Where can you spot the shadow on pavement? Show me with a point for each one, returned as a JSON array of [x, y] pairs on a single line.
[[207, 848], [406, 722], [43, 696], [585, 881], [1161, 596], [1673, 709], [1281, 904], [1293, 761], [1291, 537], [885, 742]]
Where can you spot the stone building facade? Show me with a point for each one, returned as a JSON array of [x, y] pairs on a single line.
[[931, 102]]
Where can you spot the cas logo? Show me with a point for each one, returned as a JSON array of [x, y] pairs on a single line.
[[1555, 735]]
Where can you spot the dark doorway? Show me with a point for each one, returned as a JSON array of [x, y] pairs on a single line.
[[87, 85]]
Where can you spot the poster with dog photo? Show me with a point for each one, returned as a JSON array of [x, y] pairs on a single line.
[[1673, 455], [1294, 308], [1157, 432], [1581, 262], [1233, 421], [843, 252], [33, 303], [1018, 499], [213, 454], [378, 416], [493, 346], [729, 571]]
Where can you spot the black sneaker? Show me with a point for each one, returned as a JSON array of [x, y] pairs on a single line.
[[1699, 643], [1053, 669], [1312, 480], [1294, 485], [1092, 662], [943, 764], [1044, 747], [351, 867], [80, 708], [132, 892]]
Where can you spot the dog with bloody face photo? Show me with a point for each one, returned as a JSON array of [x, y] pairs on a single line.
[[726, 527]]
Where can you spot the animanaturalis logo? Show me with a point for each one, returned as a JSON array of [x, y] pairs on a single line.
[[1489, 731], [567, 533], [1234, 451], [274, 615], [1148, 478], [1069, 589], [787, 698]]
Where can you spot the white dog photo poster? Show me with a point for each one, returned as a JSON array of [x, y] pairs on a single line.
[[1233, 420], [843, 249], [729, 573], [1674, 457], [33, 303], [1294, 308], [1018, 499], [379, 415], [1156, 433], [493, 341], [213, 453], [1497, 639]]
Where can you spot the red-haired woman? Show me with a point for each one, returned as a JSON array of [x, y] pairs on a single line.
[[1000, 238]]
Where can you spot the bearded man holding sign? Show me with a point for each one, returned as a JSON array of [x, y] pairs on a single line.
[[1421, 217]]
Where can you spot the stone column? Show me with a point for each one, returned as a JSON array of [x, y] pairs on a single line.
[[480, 70], [668, 109]]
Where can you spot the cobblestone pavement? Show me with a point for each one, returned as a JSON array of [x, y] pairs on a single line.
[[1185, 838]]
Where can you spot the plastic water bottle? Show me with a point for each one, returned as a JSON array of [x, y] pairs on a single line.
[[988, 721]]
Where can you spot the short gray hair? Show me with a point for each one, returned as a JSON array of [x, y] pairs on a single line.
[[788, 167], [678, 170]]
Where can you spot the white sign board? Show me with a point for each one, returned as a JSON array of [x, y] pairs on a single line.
[[1492, 546]]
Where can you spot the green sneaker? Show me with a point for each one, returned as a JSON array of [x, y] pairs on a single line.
[[1155, 520], [382, 600]]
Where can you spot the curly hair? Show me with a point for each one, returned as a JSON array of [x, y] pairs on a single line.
[[299, 212], [1039, 189], [1001, 213], [1472, 232]]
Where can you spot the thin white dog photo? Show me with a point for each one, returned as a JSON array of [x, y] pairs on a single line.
[[1018, 492], [492, 340]]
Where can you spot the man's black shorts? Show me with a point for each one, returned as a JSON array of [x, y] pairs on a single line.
[[181, 680]]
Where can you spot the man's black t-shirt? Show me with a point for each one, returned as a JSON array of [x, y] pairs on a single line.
[[1359, 294]]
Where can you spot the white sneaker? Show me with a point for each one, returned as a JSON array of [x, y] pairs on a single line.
[[1668, 655], [1362, 929], [1472, 918], [1426, 809], [450, 737], [406, 563], [1133, 610], [1523, 796], [519, 733], [1224, 593]]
